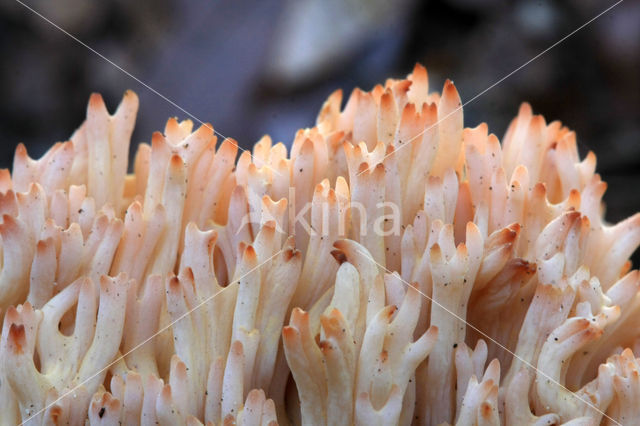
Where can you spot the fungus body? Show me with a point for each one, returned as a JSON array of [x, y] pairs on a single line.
[[391, 267]]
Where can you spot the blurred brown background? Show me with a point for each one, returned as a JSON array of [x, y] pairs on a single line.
[[255, 67]]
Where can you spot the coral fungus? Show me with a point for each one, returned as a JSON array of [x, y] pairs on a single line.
[[393, 267]]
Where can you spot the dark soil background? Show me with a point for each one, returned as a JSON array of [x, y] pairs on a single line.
[[252, 67]]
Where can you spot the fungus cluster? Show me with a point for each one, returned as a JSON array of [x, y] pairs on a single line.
[[393, 267]]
